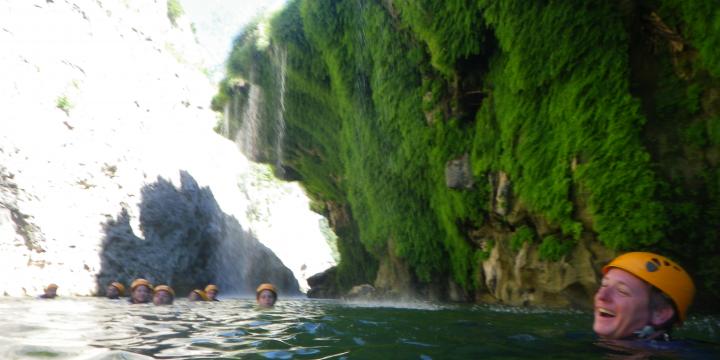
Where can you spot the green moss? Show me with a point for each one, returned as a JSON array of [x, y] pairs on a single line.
[[451, 30], [568, 99], [700, 24], [553, 249], [377, 101], [521, 236]]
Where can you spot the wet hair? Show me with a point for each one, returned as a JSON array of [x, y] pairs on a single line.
[[658, 301]]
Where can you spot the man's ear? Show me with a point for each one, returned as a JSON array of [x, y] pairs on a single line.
[[662, 315]]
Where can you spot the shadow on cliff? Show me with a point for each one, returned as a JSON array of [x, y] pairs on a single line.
[[187, 242]]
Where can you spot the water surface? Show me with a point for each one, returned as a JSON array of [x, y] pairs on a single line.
[[96, 328]]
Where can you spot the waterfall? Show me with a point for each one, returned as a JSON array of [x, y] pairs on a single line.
[[281, 61], [247, 137], [275, 212], [226, 120]]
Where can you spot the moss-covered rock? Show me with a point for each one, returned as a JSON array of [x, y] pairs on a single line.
[[593, 121]]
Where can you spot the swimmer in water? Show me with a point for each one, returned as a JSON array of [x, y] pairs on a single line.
[[115, 290], [266, 295], [212, 292], [198, 295], [164, 295], [140, 291], [642, 296], [50, 292]]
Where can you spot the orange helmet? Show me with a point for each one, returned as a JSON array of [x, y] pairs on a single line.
[[265, 286], [202, 294], [212, 287], [139, 282], [164, 288], [120, 287], [51, 286], [661, 273]]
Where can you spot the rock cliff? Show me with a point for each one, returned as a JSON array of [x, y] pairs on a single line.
[[496, 151], [109, 167]]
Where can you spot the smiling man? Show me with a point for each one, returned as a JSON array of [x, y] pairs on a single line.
[[642, 295]]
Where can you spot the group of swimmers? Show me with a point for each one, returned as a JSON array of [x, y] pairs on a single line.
[[642, 296], [143, 292]]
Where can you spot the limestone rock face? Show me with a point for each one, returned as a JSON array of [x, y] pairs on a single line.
[[394, 278], [522, 278], [515, 277]]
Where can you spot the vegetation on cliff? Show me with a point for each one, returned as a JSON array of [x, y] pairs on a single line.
[[605, 116]]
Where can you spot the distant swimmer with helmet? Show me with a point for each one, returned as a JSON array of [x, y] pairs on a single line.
[[50, 292], [115, 290], [266, 295], [141, 291], [642, 296], [198, 295], [163, 295], [212, 292]]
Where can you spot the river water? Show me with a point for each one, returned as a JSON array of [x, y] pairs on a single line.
[[97, 328]]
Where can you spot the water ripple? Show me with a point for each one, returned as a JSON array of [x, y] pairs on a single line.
[[100, 329]]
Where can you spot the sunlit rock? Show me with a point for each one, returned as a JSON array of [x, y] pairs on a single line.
[[100, 100]]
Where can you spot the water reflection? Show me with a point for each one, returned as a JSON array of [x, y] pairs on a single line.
[[90, 328]]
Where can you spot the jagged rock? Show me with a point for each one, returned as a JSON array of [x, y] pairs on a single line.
[[323, 285], [188, 241], [458, 174]]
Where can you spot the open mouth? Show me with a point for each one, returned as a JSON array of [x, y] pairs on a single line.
[[605, 313]]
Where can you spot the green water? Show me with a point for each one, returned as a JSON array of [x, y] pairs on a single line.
[[95, 328]]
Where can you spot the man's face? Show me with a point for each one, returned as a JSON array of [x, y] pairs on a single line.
[[162, 297], [112, 292], [266, 298], [212, 294], [621, 305], [141, 294]]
